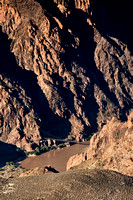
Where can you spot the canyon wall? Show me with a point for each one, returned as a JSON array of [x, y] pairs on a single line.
[[74, 69], [112, 148]]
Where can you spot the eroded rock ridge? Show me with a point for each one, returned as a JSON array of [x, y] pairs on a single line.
[[82, 74]]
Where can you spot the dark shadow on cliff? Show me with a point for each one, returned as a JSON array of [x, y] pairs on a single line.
[[114, 18], [9, 152], [50, 122], [79, 26], [77, 23], [83, 56]]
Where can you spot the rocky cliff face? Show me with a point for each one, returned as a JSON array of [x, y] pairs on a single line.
[[112, 148], [74, 69], [18, 124]]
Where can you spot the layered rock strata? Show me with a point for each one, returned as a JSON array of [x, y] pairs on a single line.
[[85, 74]]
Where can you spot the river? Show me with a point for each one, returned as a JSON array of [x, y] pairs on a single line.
[[55, 158]]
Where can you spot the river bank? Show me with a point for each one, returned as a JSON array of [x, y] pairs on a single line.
[[55, 158]]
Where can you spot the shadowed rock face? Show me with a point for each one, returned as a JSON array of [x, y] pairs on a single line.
[[18, 124], [9, 152], [81, 71]]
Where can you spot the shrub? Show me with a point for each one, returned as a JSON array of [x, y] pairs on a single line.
[[30, 153], [62, 145], [37, 150], [10, 163], [53, 147], [44, 149]]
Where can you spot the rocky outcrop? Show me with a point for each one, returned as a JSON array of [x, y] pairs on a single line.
[[39, 171], [84, 73], [18, 124], [78, 4], [112, 148]]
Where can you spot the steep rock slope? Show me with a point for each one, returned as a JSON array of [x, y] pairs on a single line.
[[85, 73], [112, 148], [17, 118], [18, 122]]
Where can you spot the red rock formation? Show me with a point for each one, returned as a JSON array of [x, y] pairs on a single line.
[[112, 148], [18, 124], [83, 71]]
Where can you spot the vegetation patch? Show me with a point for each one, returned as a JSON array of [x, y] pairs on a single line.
[[38, 150]]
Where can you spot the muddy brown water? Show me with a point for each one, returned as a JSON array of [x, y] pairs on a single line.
[[56, 158]]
